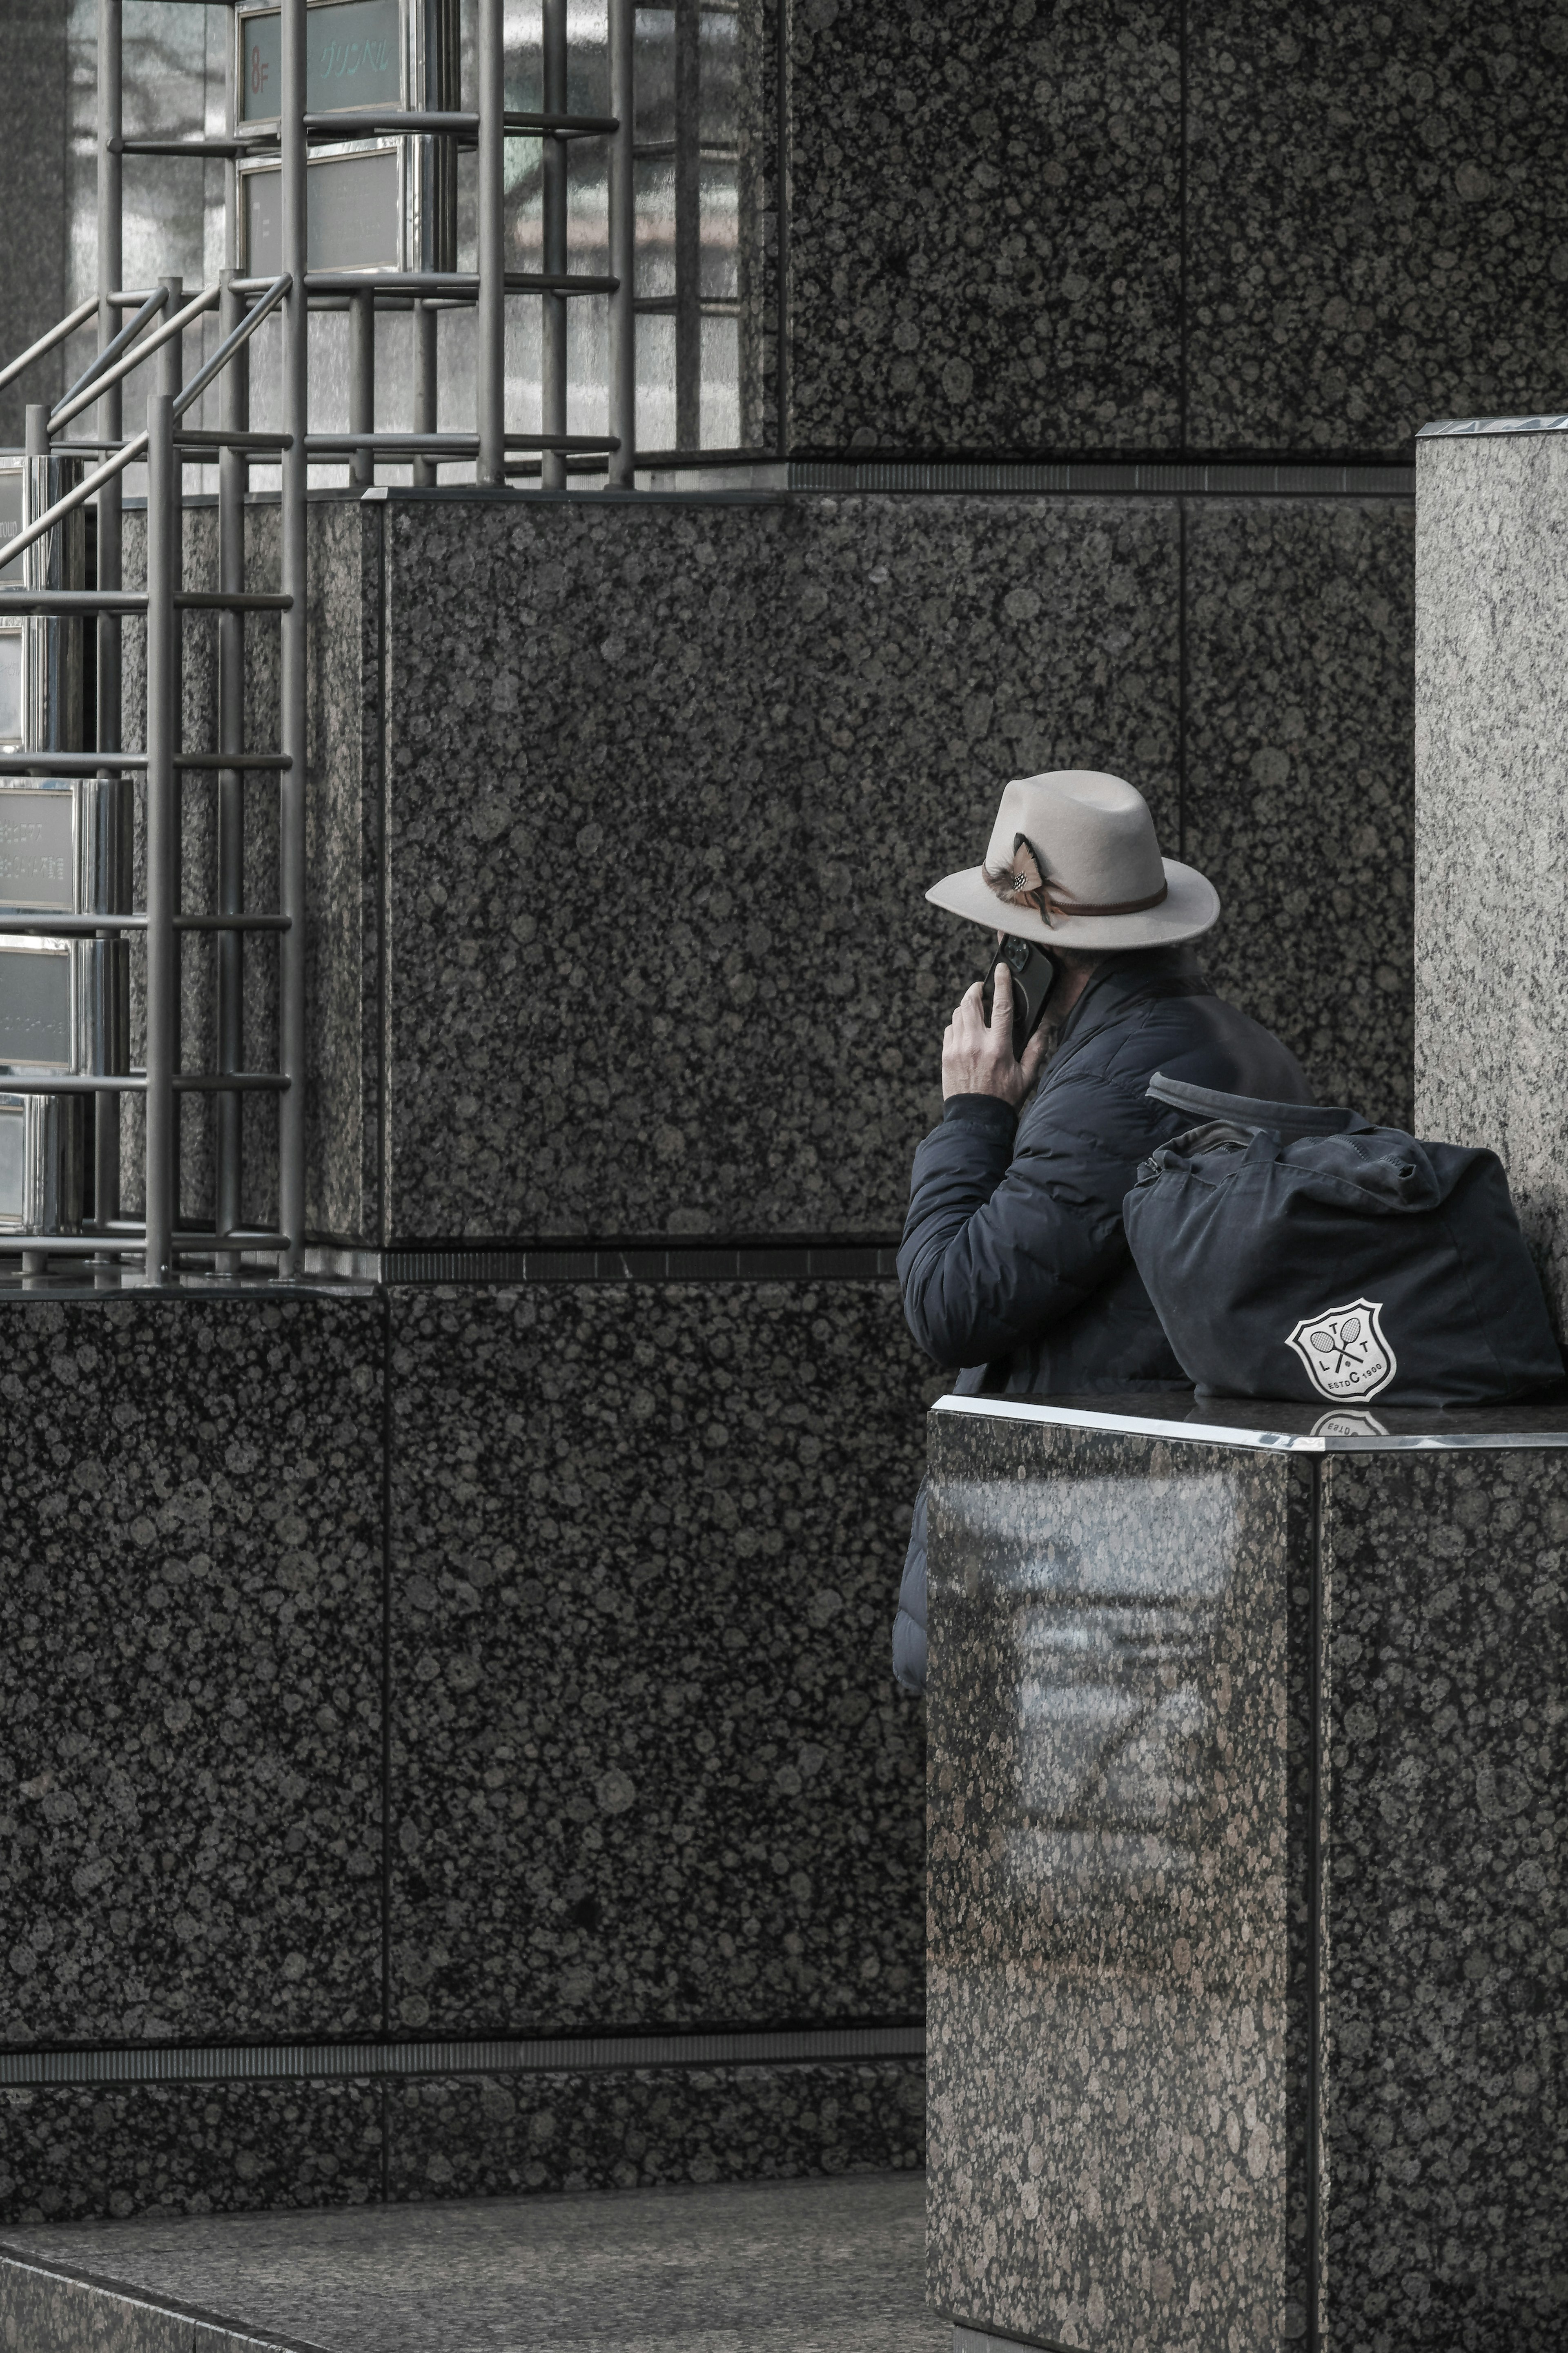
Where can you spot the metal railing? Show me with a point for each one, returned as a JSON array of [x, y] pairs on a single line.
[[158, 321]]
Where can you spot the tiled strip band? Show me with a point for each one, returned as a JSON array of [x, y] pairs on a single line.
[[588, 2055], [610, 1263]]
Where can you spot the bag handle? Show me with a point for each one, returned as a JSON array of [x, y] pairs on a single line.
[[1287, 1121]]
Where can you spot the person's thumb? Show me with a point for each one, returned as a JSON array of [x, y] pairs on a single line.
[[1001, 1002]]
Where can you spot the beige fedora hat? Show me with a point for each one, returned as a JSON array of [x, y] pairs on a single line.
[[1073, 861]]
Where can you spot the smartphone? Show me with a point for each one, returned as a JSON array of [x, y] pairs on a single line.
[[1034, 971]]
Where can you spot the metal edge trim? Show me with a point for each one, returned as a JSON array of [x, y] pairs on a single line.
[[556, 2055], [1129, 1425], [1259, 1441]]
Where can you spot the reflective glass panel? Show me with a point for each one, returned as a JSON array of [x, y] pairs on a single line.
[[13, 1161], [356, 215], [353, 58], [719, 54], [720, 384], [36, 1009], [655, 183], [720, 270], [11, 688], [10, 502], [37, 849]]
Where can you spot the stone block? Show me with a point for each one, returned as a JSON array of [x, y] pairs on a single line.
[[1491, 976], [190, 1668], [1445, 2112], [1374, 226], [1298, 780], [87, 2152], [1118, 1997], [649, 1763], [666, 785], [466, 2136], [1243, 1719], [985, 232]]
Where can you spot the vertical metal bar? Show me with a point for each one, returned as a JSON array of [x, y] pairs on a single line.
[[490, 394], [688, 224], [229, 1128], [171, 376], [111, 275], [425, 395], [361, 382], [291, 783], [552, 186], [110, 574], [623, 351], [162, 971]]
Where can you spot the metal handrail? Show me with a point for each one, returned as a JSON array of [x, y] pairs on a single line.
[[45, 343], [130, 360], [129, 451], [127, 335]]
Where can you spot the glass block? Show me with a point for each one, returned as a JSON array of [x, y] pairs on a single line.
[[720, 384], [36, 1009], [655, 77], [13, 1161], [656, 383], [655, 185], [719, 276], [11, 688], [719, 52], [353, 53]]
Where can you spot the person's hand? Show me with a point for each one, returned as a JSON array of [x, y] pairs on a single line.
[[979, 1060]]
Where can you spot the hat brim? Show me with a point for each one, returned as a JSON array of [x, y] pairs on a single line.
[[1190, 908]]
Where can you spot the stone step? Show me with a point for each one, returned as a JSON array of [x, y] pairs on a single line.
[[812, 2267]]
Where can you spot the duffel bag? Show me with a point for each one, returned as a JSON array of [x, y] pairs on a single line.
[[1299, 1253]]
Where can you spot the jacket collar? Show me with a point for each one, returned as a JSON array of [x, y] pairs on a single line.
[[1116, 988]]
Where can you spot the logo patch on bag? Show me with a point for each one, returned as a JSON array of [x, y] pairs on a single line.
[[1344, 1351]]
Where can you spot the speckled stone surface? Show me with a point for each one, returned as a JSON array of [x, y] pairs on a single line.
[[1118, 1875], [984, 234], [1446, 2109], [1376, 231], [116, 2149], [1491, 837], [465, 2137], [685, 771], [649, 1765], [773, 2266], [1299, 784], [190, 1597], [34, 63]]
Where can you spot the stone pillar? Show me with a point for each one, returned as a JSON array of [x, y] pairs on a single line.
[[1491, 835], [1246, 1985]]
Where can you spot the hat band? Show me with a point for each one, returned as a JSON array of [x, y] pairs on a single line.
[[1022, 884]]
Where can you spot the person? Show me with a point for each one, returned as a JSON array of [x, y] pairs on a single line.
[[1015, 1265]]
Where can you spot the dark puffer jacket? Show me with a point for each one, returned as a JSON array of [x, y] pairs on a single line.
[[1015, 1262]]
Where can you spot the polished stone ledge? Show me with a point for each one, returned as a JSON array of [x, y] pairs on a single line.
[[1465, 428], [1282, 1429]]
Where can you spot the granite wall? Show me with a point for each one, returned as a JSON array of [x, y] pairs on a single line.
[[417, 1666], [669, 781], [1130, 228], [1491, 991]]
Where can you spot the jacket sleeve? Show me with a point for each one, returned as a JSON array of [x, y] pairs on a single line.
[[1008, 1229]]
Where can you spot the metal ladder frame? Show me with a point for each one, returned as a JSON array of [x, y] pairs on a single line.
[[168, 446]]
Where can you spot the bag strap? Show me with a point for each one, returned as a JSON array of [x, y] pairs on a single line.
[[1286, 1120]]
